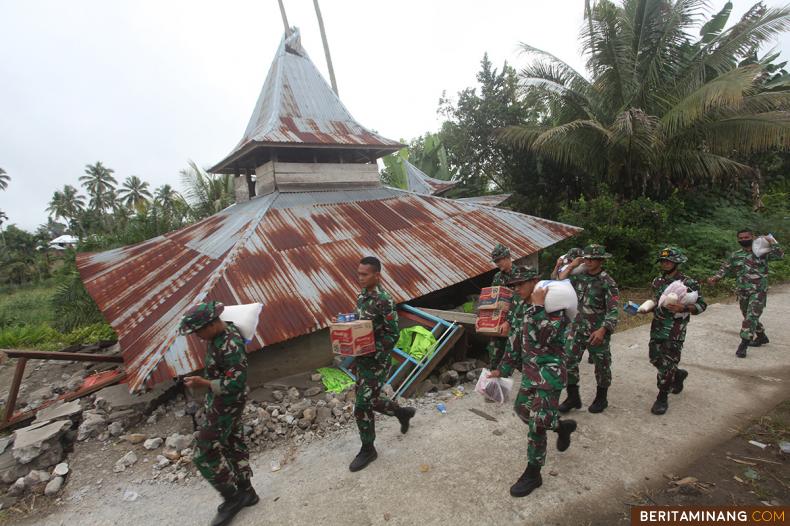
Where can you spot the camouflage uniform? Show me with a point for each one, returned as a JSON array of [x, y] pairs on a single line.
[[498, 345], [668, 330], [540, 358], [221, 455], [379, 307], [598, 297], [751, 285]]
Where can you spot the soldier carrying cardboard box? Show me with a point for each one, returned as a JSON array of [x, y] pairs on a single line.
[[503, 260]]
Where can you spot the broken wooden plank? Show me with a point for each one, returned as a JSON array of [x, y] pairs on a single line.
[[464, 318], [57, 355], [744, 462], [483, 414]]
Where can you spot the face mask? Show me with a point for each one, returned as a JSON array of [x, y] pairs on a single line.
[[745, 243]]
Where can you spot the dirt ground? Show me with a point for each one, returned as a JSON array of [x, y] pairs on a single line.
[[457, 468]]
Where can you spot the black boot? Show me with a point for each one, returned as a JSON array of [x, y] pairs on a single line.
[[600, 403], [404, 414], [660, 405], [365, 456], [759, 339], [680, 377], [564, 430], [573, 401], [528, 482], [234, 502], [250, 497], [741, 352]]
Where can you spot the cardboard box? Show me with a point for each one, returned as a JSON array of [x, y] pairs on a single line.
[[353, 338], [489, 321], [495, 298]]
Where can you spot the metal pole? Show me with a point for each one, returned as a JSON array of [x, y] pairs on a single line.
[[326, 47], [12, 394], [285, 18]]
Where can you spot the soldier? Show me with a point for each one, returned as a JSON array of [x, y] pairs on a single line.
[[539, 355], [668, 330], [593, 326], [565, 260], [221, 455], [374, 304], [751, 287], [504, 262]]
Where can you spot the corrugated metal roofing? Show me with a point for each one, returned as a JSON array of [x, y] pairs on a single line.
[[486, 200], [421, 183], [298, 107], [297, 254]]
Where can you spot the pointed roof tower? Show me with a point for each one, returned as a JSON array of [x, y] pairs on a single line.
[[298, 118]]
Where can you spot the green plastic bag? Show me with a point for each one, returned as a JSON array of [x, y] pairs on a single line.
[[335, 380], [416, 341]]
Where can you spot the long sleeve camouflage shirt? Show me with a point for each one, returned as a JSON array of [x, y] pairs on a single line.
[[666, 324], [501, 278], [598, 298], [515, 318], [540, 355], [379, 307], [226, 367], [750, 271]]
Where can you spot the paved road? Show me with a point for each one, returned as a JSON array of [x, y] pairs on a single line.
[[471, 469]]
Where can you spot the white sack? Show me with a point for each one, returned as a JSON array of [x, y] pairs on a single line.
[[245, 317], [762, 246], [561, 295]]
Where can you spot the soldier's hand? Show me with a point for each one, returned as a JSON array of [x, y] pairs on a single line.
[[538, 296], [193, 382], [675, 307], [578, 261], [596, 338], [494, 374], [504, 329]]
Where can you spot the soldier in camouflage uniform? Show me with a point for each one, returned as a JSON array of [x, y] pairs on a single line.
[[539, 355], [751, 282], [668, 330], [503, 260], [594, 324], [375, 304], [565, 259], [221, 455]]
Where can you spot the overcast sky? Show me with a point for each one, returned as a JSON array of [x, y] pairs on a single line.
[[143, 86]]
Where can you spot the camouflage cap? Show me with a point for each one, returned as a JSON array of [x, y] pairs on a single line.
[[521, 274], [199, 316], [500, 251], [574, 253], [596, 252], [673, 254]]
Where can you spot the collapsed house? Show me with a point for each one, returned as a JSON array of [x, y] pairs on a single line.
[[309, 205]]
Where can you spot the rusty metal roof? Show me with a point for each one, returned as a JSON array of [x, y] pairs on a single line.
[[486, 200], [298, 109], [297, 253], [421, 183]]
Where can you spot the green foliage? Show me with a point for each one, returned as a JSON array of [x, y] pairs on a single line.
[[45, 338], [72, 305], [27, 304]]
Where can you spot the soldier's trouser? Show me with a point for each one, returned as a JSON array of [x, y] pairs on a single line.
[[752, 306], [221, 454], [665, 357], [601, 356], [371, 376], [539, 409], [496, 351]]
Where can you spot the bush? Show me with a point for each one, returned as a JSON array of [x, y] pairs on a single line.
[[72, 305], [45, 338]]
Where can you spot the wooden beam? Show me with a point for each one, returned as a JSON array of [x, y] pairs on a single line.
[[73, 356], [14, 392]]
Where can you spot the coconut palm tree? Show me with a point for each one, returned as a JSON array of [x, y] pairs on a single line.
[[4, 179], [67, 204], [659, 109], [100, 185], [167, 199], [134, 193], [206, 193]]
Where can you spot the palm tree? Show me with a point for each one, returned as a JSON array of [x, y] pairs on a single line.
[[206, 193], [100, 184], [134, 193], [4, 179], [67, 204], [660, 111], [167, 199]]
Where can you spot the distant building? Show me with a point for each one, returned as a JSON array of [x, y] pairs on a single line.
[[63, 242]]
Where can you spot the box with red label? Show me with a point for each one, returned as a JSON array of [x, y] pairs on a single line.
[[353, 338], [495, 298], [489, 321]]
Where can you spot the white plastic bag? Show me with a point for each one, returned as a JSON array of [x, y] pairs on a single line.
[[762, 245], [647, 306], [575, 272], [674, 293], [496, 389], [245, 317], [561, 295]]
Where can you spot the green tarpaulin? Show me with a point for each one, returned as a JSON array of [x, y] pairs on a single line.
[[335, 380], [416, 341]]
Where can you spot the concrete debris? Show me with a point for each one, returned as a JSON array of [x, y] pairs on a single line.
[[18, 488], [59, 411], [153, 443], [293, 393], [93, 424], [178, 442], [449, 377], [171, 454], [129, 459], [32, 441], [54, 486], [161, 462], [115, 429], [313, 391], [465, 366], [135, 438], [315, 377], [61, 470]]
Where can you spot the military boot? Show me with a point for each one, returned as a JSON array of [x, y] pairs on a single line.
[[680, 377], [404, 414], [564, 430], [233, 504], [660, 406], [741, 352], [573, 401], [529, 481], [365, 456], [759, 339], [600, 403]]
